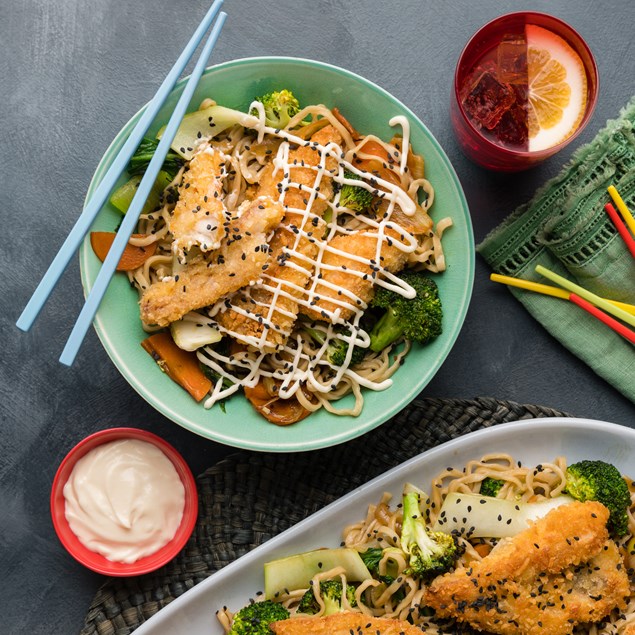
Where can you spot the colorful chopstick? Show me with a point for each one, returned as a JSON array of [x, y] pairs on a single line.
[[547, 289], [624, 211], [587, 295], [621, 228], [618, 327]]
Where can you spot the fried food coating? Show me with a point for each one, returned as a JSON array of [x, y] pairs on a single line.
[[347, 281], [344, 624], [238, 262], [198, 217], [561, 571], [274, 310]]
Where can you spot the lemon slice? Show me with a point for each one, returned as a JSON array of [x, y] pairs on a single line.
[[557, 88]]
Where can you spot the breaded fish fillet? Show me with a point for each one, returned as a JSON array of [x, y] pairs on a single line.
[[344, 624], [198, 217], [302, 178], [350, 276], [289, 273], [239, 261], [562, 571]]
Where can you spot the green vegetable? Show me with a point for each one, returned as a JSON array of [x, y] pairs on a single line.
[[331, 592], [418, 319], [485, 517], [491, 486], [209, 122], [602, 482], [280, 106], [430, 553], [143, 155], [337, 349], [122, 197], [354, 197], [296, 571], [254, 619], [371, 558]]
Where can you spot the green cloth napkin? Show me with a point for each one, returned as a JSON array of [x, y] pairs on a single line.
[[565, 228]]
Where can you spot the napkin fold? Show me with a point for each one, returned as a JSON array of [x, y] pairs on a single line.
[[565, 228]]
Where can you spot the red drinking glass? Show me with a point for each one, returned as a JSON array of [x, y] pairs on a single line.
[[487, 113]]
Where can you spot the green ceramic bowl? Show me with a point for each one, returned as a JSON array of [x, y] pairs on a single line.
[[369, 108]]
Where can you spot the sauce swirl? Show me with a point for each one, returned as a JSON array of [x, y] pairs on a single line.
[[124, 500]]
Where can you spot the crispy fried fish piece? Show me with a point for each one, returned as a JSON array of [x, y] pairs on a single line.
[[290, 274], [344, 624], [351, 276], [561, 571], [198, 217], [301, 176], [239, 261]]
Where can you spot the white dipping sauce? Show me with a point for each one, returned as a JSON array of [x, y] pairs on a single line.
[[124, 500]]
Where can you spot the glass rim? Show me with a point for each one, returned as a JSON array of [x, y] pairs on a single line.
[[591, 71]]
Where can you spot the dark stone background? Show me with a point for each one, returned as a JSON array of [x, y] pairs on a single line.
[[73, 72]]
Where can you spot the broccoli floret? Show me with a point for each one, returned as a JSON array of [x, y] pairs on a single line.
[[419, 319], [491, 486], [337, 348], [143, 155], [601, 482], [254, 619], [430, 553], [280, 107], [331, 592], [354, 197]]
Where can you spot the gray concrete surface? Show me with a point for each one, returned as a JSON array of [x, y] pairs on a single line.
[[72, 72]]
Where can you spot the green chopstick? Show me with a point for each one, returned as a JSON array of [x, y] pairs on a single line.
[[587, 295]]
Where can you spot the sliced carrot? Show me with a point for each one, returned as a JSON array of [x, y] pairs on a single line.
[[132, 257], [483, 550], [282, 412], [378, 166], [179, 365]]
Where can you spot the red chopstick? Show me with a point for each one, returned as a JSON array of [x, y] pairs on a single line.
[[618, 327], [621, 228]]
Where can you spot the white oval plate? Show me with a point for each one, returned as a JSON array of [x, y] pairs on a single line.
[[532, 441]]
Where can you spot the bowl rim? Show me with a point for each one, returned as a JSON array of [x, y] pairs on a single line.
[[265, 445], [95, 561]]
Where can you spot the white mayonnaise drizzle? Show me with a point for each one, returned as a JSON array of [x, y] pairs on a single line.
[[292, 377], [124, 500]]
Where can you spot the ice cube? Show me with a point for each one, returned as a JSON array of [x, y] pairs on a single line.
[[512, 130], [486, 99], [512, 60]]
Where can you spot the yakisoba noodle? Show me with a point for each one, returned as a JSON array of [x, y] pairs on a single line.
[[298, 367], [381, 527]]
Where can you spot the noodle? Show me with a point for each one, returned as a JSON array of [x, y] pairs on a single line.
[[298, 368], [402, 598]]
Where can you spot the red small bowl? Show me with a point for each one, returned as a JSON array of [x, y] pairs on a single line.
[[96, 561]]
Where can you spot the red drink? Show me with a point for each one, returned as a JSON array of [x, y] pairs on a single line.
[[525, 86]]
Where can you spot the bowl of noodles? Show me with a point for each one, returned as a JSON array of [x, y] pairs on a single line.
[[276, 244]]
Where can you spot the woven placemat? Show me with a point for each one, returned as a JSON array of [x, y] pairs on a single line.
[[249, 497]]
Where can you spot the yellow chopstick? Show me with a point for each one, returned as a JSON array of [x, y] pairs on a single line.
[[547, 289], [624, 211], [586, 295]]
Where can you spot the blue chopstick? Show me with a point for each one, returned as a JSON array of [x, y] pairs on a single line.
[[97, 200], [130, 219]]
